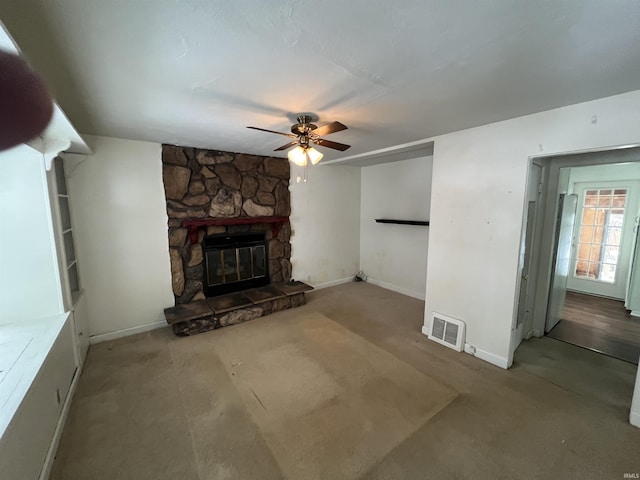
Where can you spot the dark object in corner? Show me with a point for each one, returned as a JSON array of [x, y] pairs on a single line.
[[27, 106], [360, 277], [403, 222]]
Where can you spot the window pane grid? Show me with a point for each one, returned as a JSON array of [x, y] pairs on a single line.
[[60, 176], [65, 216], [600, 234], [74, 284], [69, 249]]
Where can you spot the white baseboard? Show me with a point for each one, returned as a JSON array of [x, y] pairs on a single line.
[[492, 358], [634, 419], [105, 337], [477, 352], [332, 283], [481, 354], [395, 288], [57, 434]]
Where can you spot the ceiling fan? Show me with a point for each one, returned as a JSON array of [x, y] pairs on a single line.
[[305, 133]]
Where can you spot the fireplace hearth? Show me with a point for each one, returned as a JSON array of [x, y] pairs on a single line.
[[223, 310]]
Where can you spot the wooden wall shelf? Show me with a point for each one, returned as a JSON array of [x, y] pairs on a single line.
[[403, 222]]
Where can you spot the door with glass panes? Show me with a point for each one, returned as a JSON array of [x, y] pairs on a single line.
[[603, 237]]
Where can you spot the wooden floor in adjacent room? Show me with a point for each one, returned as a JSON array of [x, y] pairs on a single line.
[[599, 324]]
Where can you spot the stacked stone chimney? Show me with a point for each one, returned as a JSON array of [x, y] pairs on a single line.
[[201, 184]]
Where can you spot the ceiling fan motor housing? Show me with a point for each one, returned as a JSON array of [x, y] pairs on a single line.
[[304, 125]]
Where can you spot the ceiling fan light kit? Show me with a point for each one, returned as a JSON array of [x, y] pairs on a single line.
[[302, 156], [314, 155], [305, 132]]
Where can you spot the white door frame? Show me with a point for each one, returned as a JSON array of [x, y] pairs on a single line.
[[531, 222], [547, 210]]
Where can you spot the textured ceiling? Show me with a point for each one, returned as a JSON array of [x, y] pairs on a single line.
[[197, 72]]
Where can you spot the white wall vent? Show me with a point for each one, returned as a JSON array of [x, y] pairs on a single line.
[[448, 331]]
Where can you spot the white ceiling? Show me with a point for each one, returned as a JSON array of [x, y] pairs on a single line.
[[197, 72]]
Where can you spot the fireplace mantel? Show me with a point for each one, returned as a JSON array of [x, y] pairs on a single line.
[[193, 225]]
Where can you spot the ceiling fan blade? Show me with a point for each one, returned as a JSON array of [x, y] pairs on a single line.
[[327, 129], [288, 145], [273, 131], [329, 144]]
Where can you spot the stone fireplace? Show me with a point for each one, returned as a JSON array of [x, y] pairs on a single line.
[[228, 220]]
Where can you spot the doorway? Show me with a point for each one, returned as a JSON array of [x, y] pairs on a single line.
[[584, 293]]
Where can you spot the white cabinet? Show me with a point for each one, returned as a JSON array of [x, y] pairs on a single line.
[[27, 440]]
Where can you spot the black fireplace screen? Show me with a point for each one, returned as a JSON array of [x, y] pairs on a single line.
[[234, 262]]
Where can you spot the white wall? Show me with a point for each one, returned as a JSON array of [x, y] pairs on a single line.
[[395, 256], [325, 216], [120, 228], [29, 280], [634, 414], [477, 206], [603, 173]]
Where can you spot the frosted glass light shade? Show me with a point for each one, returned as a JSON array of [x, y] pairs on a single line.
[[314, 155], [301, 156], [298, 156]]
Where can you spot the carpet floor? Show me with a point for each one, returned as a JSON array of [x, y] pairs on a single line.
[[344, 387]]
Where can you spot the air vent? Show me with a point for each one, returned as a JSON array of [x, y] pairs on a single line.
[[447, 331]]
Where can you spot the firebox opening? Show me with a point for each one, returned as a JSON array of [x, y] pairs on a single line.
[[234, 262]]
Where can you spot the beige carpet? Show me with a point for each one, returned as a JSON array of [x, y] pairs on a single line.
[[344, 387], [328, 403]]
